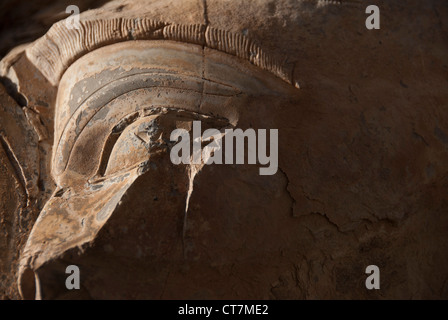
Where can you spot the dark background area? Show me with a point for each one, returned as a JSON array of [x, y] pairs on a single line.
[[23, 21]]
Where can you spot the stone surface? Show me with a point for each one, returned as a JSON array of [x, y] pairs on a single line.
[[363, 138]]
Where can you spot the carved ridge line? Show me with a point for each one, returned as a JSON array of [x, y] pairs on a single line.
[[53, 53], [17, 168]]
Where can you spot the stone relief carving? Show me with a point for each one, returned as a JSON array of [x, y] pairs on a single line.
[[115, 110], [86, 177]]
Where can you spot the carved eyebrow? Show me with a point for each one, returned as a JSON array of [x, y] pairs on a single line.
[[53, 53]]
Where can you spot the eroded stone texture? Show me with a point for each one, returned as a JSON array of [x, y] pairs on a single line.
[[362, 151], [23, 21], [19, 168]]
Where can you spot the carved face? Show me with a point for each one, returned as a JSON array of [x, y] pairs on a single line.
[[118, 190]]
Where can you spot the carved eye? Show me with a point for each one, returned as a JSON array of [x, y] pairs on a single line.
[[135, 140], [128, 146]]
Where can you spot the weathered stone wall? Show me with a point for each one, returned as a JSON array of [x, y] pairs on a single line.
[[363, 148]]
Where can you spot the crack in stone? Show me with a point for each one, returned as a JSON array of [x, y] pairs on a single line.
[[289, 192]]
